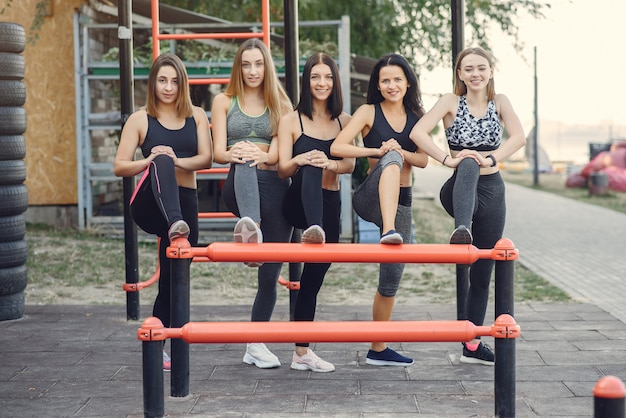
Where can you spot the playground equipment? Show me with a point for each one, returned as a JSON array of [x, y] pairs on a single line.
[[183, 332]]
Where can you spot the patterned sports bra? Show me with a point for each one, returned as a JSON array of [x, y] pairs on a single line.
[[469, 132]]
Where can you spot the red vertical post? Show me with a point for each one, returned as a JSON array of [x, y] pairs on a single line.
[[608, 398], [154, 8]]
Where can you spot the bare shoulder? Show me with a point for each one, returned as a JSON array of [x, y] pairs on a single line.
[[290, 118], [449, 100], [199, 113], [221, 101], [138, 118], [502, 103]]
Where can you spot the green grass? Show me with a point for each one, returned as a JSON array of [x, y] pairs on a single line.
[[69, 266]]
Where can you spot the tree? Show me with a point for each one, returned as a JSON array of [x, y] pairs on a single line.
[[418, 29]]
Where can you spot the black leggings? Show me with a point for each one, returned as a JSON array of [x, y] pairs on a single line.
[[477, 201], [306, 204], [157, 203]]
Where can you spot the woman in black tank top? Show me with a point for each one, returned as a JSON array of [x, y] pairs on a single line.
[[176, 141], [312, 201], [384, 198]]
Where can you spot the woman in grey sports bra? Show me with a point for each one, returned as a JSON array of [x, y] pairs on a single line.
[[245, 122], [473, 117]]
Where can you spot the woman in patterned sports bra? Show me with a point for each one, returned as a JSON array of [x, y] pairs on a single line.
[[393, 107], [175, 140], [473, 117], [313, 201], [245, 123]]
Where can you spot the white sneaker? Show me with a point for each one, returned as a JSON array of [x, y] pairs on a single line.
[[247, 231], [259, 355], [310, 361], [314, 235]]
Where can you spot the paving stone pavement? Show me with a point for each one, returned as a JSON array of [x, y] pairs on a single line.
[[85, 361]]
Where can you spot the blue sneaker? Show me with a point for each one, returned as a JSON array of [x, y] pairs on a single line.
[[387, 357]]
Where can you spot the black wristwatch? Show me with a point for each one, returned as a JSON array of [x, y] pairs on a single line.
[[493, 159]]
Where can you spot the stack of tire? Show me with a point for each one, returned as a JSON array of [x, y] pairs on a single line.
[[13, 192]]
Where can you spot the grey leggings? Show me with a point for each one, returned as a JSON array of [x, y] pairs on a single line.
[[366, 204], [476, 201], [244, 186]]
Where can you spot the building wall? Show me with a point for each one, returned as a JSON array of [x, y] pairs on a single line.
[[50, 104]]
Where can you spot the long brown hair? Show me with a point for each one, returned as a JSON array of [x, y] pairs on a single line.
[[459, 87], [275, 97], [183, 105]]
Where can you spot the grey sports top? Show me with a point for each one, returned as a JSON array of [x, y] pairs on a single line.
[[468, 132], [243, 127]]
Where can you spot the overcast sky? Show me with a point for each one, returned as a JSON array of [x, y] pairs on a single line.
[[581, 65]]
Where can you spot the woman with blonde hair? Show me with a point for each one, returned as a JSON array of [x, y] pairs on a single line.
[[474, 118], [245, 123]]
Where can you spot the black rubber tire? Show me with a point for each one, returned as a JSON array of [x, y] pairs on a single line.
[[12, 306], [12, 37], [13, 253], [13, 200], [11, 66], [12, 228], [12, 93], [12, 120], [12, 147], [12, 172], [13, 279]]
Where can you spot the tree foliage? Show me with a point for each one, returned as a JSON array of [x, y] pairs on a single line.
[[419, 29]]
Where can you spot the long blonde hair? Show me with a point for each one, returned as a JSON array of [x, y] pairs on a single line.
[[459, 87], [275, 97], [183, 105]]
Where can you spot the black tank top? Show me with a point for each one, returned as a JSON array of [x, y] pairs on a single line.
[[382, 131], [184, 141], [306, 143]]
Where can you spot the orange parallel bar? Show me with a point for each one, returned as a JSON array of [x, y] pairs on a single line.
[[326, 332], [220, 35], [216, 170], [216, 215], [344, 253], [209, 80]]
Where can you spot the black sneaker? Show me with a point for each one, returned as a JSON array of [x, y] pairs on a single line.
[[391, 237], [387, 357], [461, 235], [482, 355]]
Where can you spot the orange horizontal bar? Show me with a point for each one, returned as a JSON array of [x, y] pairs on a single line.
[[216, 170], [216, 215], [209, 80], [346, 331], [335, 253], [221, 35]]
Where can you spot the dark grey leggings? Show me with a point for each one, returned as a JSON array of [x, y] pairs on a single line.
[[269, 189], [366, 204], [477, 201]]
